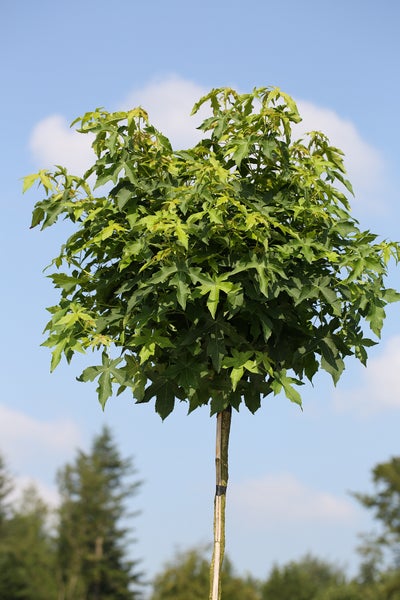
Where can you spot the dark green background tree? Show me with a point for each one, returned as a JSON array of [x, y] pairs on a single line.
[[6, 487], [186, 577], [301, 580], [217, 274], [27, 551], [33, 568], [309, 578], [384, 503], [93, 540], [81, 550]]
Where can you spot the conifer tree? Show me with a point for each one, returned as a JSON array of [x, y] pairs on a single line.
[[93, 542]]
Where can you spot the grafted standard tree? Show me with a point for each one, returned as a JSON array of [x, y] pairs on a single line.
[[214, 275]]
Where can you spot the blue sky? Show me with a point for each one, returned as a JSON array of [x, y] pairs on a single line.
[[291, 471]]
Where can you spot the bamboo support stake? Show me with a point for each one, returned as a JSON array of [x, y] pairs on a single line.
[[221, 472]]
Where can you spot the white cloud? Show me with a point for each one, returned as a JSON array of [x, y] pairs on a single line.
[[363, 162], [169, 102], [380, 384], [53, 142], [33, 446], [283, 498]]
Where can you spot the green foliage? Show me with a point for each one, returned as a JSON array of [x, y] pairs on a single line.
[[313, 579], [390, 585], [6, 488], [187, 578], [302, 580], [385, 504], [92, 543], [85, 557], [372, 559], [27, 556], [350, 591], [217, 274]]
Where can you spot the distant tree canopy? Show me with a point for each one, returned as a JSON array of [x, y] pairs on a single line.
[[86, 555], [6, 487], [27, 556], [302, 580], [186, 577], [310, 578], [384, 503], [92, 540], [40, 563]]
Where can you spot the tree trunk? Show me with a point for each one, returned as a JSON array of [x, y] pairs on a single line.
[[98, 556], [221, 471]]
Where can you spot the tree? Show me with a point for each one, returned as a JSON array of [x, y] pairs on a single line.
[[301, 580], [6, 488], [214, 275], [27, 551], [351, 591], [92, 541], [385, 506], [311, 578], [371, 560], [186, 577], [7, 578]]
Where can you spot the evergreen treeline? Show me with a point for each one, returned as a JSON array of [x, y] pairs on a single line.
[[186, 578], [82, 552]]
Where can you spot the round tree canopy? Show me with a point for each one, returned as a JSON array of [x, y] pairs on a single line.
[[216, 274]]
